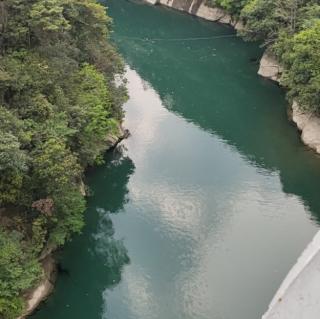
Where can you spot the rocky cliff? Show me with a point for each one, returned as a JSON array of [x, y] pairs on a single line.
[[307, 123], [200, 9]]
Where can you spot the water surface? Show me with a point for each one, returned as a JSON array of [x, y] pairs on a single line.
[[204, 209]]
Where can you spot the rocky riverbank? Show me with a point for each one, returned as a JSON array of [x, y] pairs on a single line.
[[35, 296], [307, 123], [201, 10], [41, 292]]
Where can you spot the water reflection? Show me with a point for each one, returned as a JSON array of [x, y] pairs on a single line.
[[93, 261], [221, 93], [201, 222], [109, 251], [111, 180]]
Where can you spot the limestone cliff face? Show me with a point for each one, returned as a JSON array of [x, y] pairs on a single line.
[[270, 67], [200, 9], [218, 15], [307, 123], [152, 1]]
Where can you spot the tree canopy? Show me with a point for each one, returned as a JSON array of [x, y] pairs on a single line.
[[58, 104]]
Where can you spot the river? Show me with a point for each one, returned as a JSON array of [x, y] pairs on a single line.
[[204, 209]]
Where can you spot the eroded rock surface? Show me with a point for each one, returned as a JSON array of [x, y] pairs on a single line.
[[269, 67], [35, 296], [309, 125]]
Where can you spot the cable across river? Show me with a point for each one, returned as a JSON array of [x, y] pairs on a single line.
[[177, 39]]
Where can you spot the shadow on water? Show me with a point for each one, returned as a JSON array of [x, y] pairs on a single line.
[[237, 106], [93, 261]]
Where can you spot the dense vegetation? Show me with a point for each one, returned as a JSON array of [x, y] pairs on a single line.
[[58, 104], [290, 29]]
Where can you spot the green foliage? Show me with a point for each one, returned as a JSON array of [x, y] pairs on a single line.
[[55, 167], [68, 217], [233, 7], [264, 18], [12, 168], [47, 15], [93, 99], [58, 104], [19, 269], [39, 232], [11, 308], [301, 57], [291, 29]]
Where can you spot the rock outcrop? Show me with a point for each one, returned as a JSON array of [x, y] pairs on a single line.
[[269, 67], [200, 9], [307, 122], [41, 292], [114, 139], [309, 125], [217, 15]]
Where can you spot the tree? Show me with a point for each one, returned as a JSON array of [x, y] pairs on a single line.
[[301, 57], [92, 98], [233, 7], [265, 18], [19, 269], [13, 165], [58, 103], [55, 167]]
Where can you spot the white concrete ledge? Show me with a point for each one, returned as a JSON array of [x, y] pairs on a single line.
[[299, 295]]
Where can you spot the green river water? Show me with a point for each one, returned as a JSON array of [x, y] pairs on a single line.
[[204, 209]]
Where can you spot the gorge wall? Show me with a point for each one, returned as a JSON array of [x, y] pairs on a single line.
[[307, 123], [200, 9]]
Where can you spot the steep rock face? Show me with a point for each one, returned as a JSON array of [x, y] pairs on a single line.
[[152, 1], [183, 5], [194, 8], [44, 288], [201, 10], [269, 67], [309, 125], [218, 15]]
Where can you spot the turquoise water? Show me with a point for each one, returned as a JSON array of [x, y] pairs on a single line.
[[204, 209]]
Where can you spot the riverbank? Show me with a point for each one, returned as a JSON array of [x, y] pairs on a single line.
[[54, 125], [35, 296], [43, 290], [307, 123]]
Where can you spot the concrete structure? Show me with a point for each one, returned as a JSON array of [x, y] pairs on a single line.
[[299, 295]]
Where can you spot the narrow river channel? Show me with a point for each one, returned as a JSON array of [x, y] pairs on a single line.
[[204, 209]]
